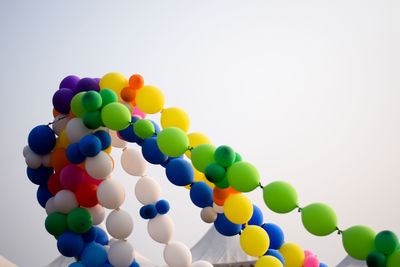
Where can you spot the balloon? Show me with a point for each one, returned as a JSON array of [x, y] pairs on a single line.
[[238, 208], [148, 212], [203, 155], [257, 217], [111, 194], [86, 85], [201, 264], [175, 117], [144, 128], [33, 160], [151, 152], [77, 106], [280, 197], [243, 176], [226, 227], [196, 139], [59, 124], [136, 81], [50, 206], [46, 160], [311, 261], [101, 236], [108, 96], [208, 215], [121, 253], [116, 141], [254, 241], [268, 261], [359, 241], [177, 254], [147, 190], [319, 219], [90, 235], [322, 265], [215, 173], [161, 229], [62, 100], [93, 255], [70, 244], [276, 254], [74, 154], [275, 234], [75, 130], [376, 259], [39, 176], [220, 195], [201, 194], [43, 195], [41, 139], [79, 220], [59, 159], [138, 112], [218, 209], [78, 264], [116, 116], [92, 119], [71, 177], [128, 94], [62, 140], [104, 137], [91, 101], [179, 172], [86, 195], [128, 134], [162, 206], [114, 81], [293, 255], [172, 142], [386, 242], [224, 156], [56, 223], [69, 82], [97, 213], [150, 99], [119, 224], [100, 166], [65, 201], [133, 162], [90, 145], [393, 260]]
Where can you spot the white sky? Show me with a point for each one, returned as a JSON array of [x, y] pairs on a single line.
[[307, 91]]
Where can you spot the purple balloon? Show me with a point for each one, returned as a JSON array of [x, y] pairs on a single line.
[[69, 82], [86, 84], [97, 80], [71, 177], [62, 100]]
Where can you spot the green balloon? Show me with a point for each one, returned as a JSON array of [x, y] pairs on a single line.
[[76, 105], [393, 260], [91, 101], [144, 128], [243, 176], [108, 96], [116, 116], [172, 142], [224, 156], [376, 259], [280, 197], [203, 155], [79, 220], [319, 219], [214, 172], [237, 157], [56, 223], [224, 183], [358, 241], [386, 242], [92, 119]]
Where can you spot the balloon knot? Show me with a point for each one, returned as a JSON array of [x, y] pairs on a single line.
[[339, 231], [125, 148], [54, 121], [299, 209], [190, 148], [259, 184]]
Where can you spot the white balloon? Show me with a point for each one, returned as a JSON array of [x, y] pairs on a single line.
[[147, 190], [119, 224], [116, 141], [33, 160], [75, 130], [176, 254], [201, 264], [208, 215], [65, 201], [161, 228], [100, 166], [60, 122], [26, 150], [218, 209], [46, 160], [132, 162], [97, 213], [111, 194], [50, 208], [121, 254]]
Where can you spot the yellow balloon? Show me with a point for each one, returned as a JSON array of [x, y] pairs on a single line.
[[268, 261], [63, 139], [254, 240], [238, 208], [150, 99], [108, 150], [293, 255], [114, 81], [175, 117], [196, 139]]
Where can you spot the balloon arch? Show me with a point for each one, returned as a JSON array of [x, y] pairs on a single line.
[[70, 162]]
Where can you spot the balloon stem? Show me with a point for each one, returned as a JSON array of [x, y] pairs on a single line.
[[52, 122], [339, 231]]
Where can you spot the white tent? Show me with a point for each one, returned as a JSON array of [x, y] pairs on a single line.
[[350, 262]]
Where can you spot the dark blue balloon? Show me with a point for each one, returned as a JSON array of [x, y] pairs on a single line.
[[151, 152], [70, 244], [226, 227], [41, 139], [93, 255], [179, 172], [323, 264], [257, 217], [39, 176], [101, 236], [134, 264], [106, 265], [276, 254], [86, 84], [76, 264], [90, 145], [74, 154], [162, 206], [90, 235], [43, 194], [156, 127], [105, 139], [148, 211], [201, 194], [275, 233], [128, 134]]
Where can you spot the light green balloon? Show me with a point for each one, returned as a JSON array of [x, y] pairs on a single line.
[[203, 155], [393, 260], [319, 219], [144, 128], [280, 197], [359, 241], [243, 176], [172, 142], [76, 105], [116, 116]]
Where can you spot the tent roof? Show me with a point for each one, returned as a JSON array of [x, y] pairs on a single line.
[[350, 262]]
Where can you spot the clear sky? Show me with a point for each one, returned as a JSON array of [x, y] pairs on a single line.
[[307, 91]]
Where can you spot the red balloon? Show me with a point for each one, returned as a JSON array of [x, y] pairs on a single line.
[[54, 185], [92, 180], [86, 195]]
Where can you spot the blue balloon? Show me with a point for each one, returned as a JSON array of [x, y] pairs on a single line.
[[74, 154], [70, 244], [162, 206], [276, 254], [106, 265], [148, 211], [323, 264], [41, 139], [105, 139], [93, 255], [275, 233], [128, 134], [101, 236], [226, 227], [134, 264], [156, 127], [90, 145], [43, 194], [39, 176], [257, 217], [180, 172], [151, 152], [76, 264], [90, 235], [201, 194]]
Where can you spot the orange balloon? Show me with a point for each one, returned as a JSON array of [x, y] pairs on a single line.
[[136, 81], [58, 159], [220, 195], [128, 94], [55, 113], [71, 115], [133, 102], [233, 191]]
